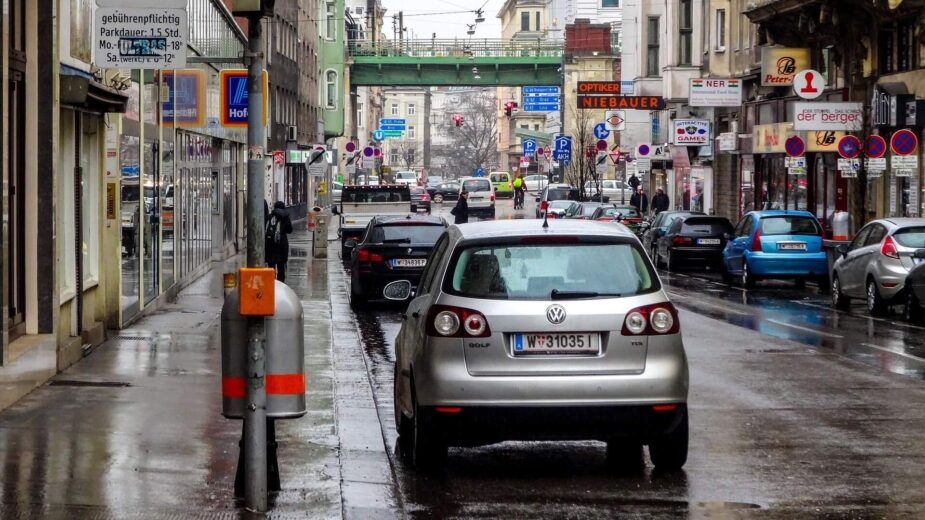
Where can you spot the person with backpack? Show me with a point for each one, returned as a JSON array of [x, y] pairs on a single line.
[[520, 187], [276, 244]]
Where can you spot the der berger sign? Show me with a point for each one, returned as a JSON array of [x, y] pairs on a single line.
[[828, 116]]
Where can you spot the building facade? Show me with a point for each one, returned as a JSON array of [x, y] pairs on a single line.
[[410, 151]]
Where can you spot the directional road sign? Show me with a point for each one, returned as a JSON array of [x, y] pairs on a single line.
[[378, 135], [540, 99], [601, 131], [529, 147], [392, 122]]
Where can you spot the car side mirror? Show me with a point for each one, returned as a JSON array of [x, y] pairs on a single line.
[[398, 290], [843, 249], [537, 199], [350, 244], [919, 253]]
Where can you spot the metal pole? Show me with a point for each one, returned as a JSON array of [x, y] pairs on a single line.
[[255, 417]]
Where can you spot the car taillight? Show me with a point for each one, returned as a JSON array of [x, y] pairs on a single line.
[[363, 255], [492, 197], [651, 320], [456, 322], [682, 241], [889, 248], [756, 241], [425, 197]]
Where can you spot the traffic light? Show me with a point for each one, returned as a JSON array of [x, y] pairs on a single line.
[[509, 108], [458, 120]]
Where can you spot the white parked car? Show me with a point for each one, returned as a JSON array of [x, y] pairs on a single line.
[[481, 196], [614, 189], [536, 183], [408, 177]]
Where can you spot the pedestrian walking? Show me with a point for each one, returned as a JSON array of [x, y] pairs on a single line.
[[633, 182], [640, 201], [461, 210], [660, 201], [278, 227]]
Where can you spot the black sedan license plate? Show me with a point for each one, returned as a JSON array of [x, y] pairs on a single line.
[[556, 343]]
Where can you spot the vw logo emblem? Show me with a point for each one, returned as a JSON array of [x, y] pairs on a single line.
[[555, 314], [410, 250]]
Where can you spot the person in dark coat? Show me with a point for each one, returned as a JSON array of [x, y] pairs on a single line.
[[640, 201], [660, 201], [633, 182], [278, 226], [461, 210]]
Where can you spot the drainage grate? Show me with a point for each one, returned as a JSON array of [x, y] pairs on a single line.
[[100, 384]]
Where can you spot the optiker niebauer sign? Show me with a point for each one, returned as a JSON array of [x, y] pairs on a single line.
[[828, 116]]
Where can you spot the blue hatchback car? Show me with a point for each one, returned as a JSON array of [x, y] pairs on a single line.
[[776, 244]]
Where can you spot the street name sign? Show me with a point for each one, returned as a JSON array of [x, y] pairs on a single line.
[[706, 92], [140, 38], [540, 99]]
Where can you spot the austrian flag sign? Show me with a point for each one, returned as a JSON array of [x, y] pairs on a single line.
[[691, 132]]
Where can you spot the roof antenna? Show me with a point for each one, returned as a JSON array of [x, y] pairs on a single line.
[[545, 215]]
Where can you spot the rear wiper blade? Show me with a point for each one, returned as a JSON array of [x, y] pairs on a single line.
[[567, 295], [397, 241]]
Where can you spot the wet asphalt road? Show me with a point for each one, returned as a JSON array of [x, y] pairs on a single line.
[[796, 411]]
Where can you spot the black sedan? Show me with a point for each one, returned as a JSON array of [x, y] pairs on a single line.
[[393, 248], [915, 289], [443, 191], [420, 199], [660, 226], [693, 239]]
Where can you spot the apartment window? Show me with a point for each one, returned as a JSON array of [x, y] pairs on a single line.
[[906, 45], [536, 127], [360, 122], [720, 31], [610, 3], [359, 10], [538, 28], [524, 21], [615, 42], [331, 19], [330, 90], [411, 109], [411, 132], [394, 157], [409, 157], [394, 109], [652, 39], [686, 29]]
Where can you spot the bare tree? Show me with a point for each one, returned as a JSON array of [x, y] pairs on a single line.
[[408, 153], [583, 166], [475, 142]]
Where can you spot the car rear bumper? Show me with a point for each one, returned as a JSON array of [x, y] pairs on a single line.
[[371, 284], [697, 254], [788, 264], [473, 426]]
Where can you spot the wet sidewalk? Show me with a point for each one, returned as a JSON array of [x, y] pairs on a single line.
[[134, 430]]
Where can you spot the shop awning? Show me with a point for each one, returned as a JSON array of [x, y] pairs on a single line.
[[81, 90]]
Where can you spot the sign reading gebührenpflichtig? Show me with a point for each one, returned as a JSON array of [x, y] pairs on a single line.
[[140, 38]]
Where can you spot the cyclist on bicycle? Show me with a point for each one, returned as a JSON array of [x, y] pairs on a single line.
[[520, 187]]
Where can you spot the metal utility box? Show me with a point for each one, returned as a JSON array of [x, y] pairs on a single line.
[[285, 357], [320, 234]]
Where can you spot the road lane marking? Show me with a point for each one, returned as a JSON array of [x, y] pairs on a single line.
[[891, 351], [805, 329], [859, 316], [713, 305]]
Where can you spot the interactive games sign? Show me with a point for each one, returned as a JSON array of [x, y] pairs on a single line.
[[691, 132]]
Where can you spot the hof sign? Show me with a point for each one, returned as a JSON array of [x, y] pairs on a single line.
[[140, 38]]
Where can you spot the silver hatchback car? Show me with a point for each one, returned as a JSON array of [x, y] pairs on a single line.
[[524, 333], [875, 265]]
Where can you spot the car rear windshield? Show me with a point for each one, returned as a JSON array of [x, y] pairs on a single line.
[[384, 194], [706, 226], [587, 210], [476, 185], [911, 237], [406, 175], [627, 212], [561, 195], [524, 270], [406, 233], [499, 177], [789, 226]]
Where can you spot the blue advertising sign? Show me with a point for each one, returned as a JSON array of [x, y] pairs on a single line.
[[563, 148], [186, 92], [233, 96], [391, 128], [600, 131], [541, 99], [378, 135], [529, 147]]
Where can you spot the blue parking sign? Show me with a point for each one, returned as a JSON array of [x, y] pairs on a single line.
[[529, 147], [563, 148]]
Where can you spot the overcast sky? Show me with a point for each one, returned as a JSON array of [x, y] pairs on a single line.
[[449, 23]]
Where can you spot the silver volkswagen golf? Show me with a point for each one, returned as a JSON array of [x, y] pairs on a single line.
[[523, 333]]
